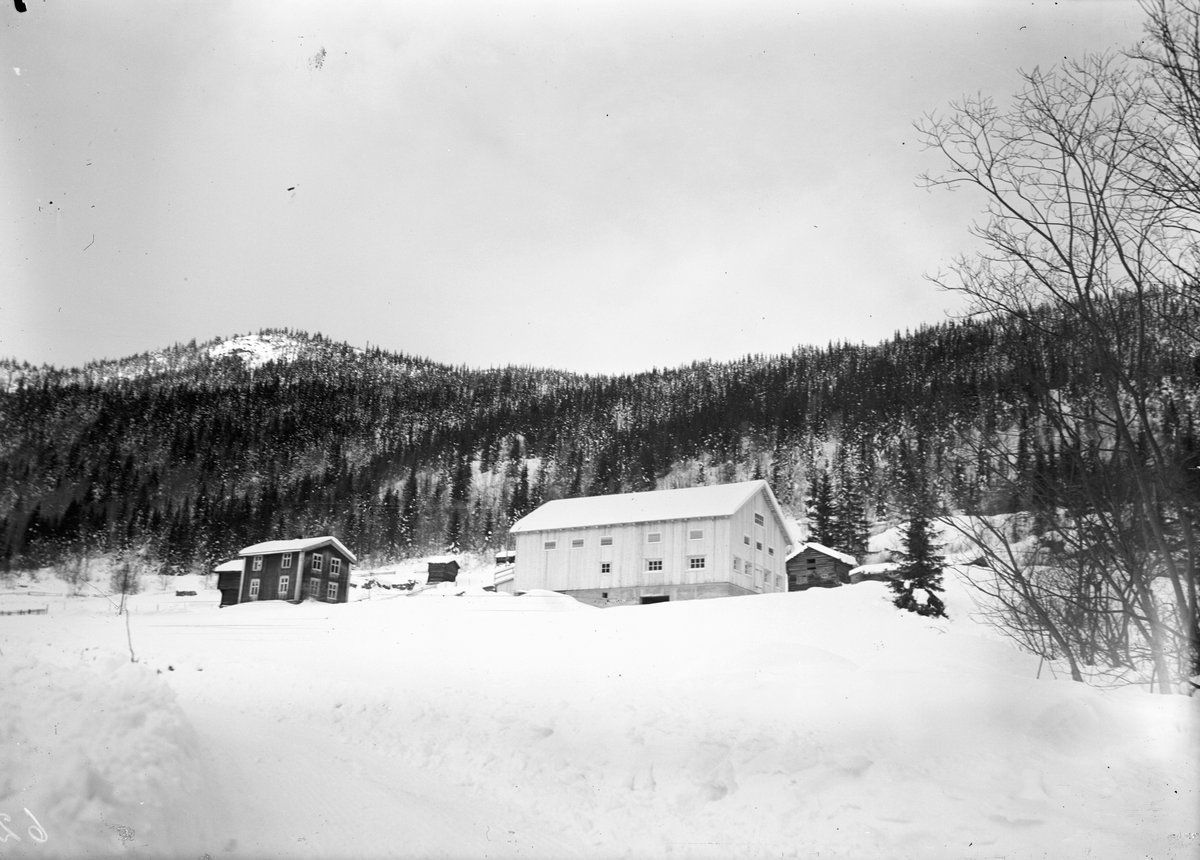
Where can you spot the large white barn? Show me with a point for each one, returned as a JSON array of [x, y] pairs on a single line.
[[716, 541]]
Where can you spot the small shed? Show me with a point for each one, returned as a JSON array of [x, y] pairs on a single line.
[[816, 565], [443, 568], [229, 580]]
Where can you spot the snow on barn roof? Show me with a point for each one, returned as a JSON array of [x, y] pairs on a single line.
[[228, 566], [833, 553], [300, 545], [691, 503]]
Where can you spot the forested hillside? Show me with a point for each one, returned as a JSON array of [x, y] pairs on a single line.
[[185, 456]]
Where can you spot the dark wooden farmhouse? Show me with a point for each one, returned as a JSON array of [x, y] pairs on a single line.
[[816, 565], [290, 570]]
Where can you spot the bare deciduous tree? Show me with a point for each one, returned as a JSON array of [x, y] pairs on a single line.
[[1090, 178]]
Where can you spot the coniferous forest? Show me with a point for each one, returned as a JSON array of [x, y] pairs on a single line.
[[186, 458]]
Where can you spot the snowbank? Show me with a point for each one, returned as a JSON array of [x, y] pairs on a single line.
[[99, 753], [814, 723]]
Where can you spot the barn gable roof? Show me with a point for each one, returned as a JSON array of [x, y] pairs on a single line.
[[300, 545], [230, 566], [692, 503], [832, 553]]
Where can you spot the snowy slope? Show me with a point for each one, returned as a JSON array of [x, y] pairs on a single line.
[[793, 725]]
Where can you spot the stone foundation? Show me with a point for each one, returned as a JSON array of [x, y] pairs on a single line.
[[633, 595]]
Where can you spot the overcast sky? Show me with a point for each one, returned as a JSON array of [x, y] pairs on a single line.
[[597, 186]]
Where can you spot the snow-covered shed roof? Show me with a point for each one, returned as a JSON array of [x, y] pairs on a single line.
[[228, 566], [832, 553], [300, 545], [881, 567], [692, 503]]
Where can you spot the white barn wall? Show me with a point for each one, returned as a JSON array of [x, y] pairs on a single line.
[[571, 569]]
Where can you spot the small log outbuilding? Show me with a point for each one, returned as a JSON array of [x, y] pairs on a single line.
[[292, 570], [229, 580], [816, 565], [442, 568]]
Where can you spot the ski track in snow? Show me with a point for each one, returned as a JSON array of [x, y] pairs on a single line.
[[821, 723]]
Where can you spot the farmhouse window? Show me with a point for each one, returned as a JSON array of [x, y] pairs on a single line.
[[318, 561], [758, 545], [779, 582], [606, 540], [737, 565], [285, 561], [654, 564], [335, 566], [770, 550], [746, 540], [654, 537], [576, 543], [331, 591], [257, 562], [314, 587], [550, 544], [254, 589], [696, 562], [758, 520], [696, 534], [284, 582], [606, 567]]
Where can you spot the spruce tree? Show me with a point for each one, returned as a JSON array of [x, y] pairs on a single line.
[[920, 567]]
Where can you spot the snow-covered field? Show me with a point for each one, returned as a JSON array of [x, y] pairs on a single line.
[[815, 724]]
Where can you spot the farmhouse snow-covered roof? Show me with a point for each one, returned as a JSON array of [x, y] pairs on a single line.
[[692, 503], [300, 545], [833, 553]]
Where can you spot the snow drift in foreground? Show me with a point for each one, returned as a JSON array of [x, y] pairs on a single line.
[[795, 725]]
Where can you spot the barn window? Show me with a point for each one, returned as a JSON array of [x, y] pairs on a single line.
[[654, 537], [576, 543], [810, 561], [654, 564], [257, 562], [284, 582], [758, 520], [606, 567], [606, 540], [254, 589], [696, 562], [331, 591], [604, 594], [285, 560], [696, 534], [335, 566], [550, 544], [318, 561]]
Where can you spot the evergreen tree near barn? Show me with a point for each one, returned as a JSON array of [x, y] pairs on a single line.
[[920, 569]]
